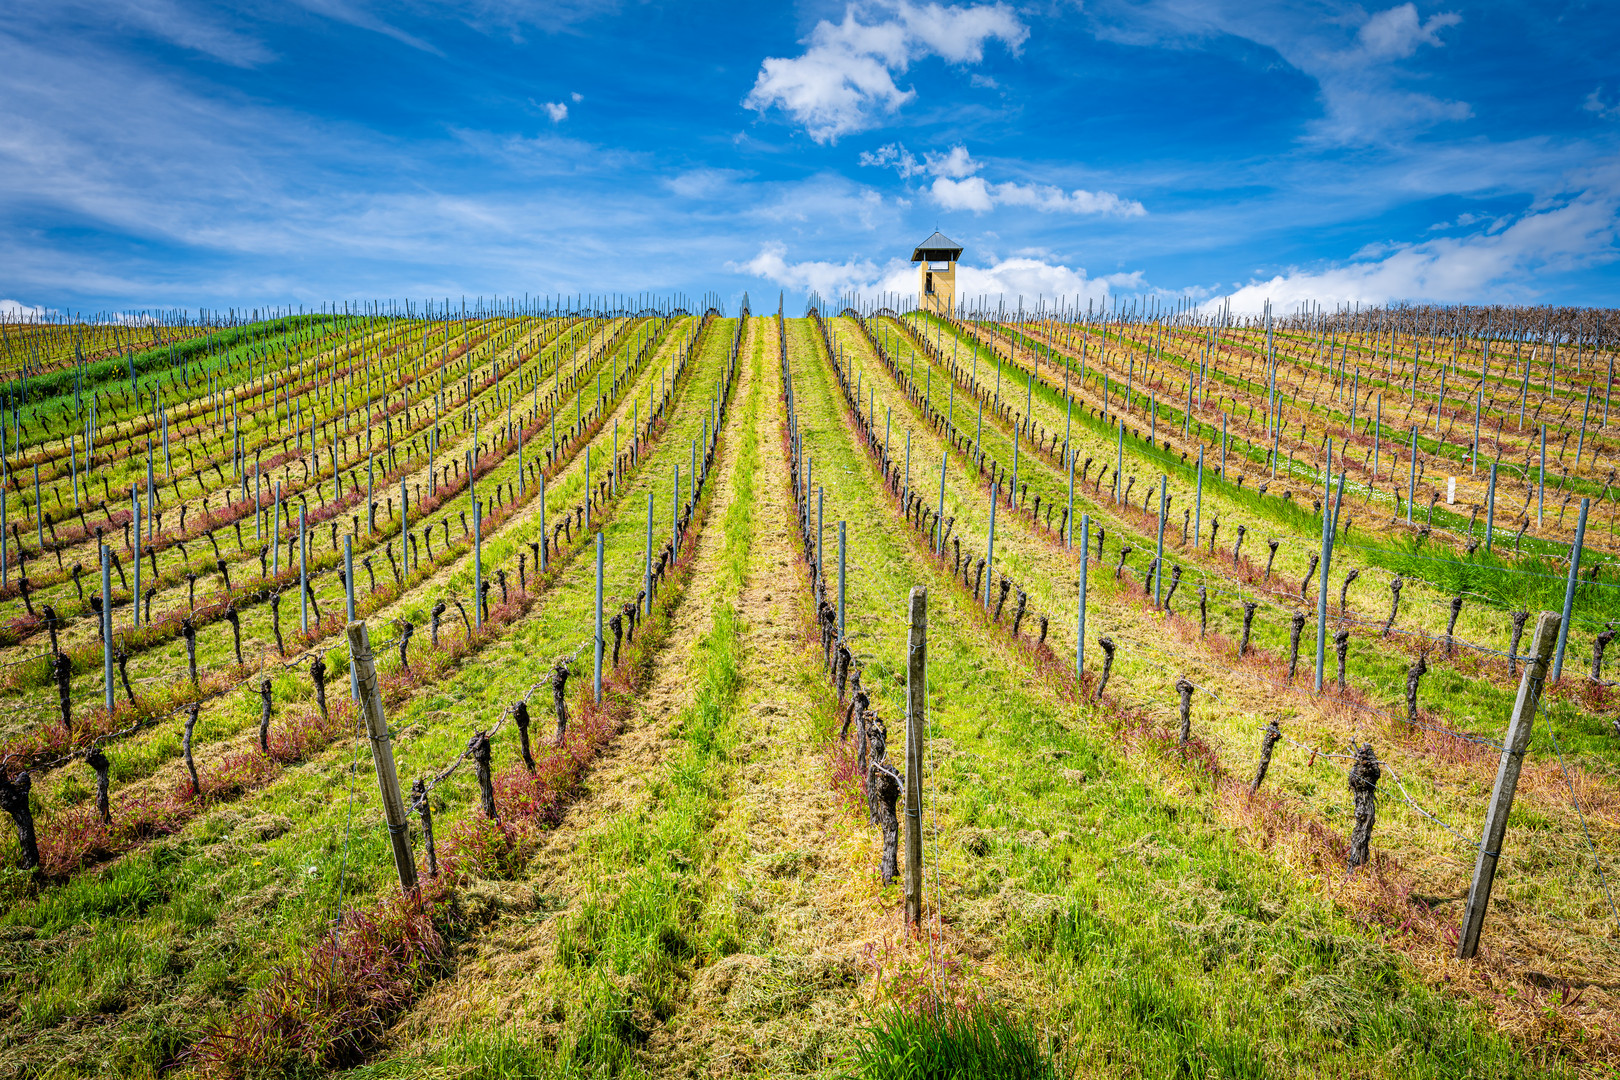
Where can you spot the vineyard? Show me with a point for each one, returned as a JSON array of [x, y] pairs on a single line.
[[565, 688]]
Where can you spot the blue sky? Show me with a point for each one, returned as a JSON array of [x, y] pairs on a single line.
[[184, 153]]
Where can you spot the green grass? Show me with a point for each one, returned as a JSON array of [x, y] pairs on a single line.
[[1475, 702], [1131, 926], [905, 1045], [173, 935]]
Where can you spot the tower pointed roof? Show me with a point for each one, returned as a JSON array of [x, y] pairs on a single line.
[[938, 246]]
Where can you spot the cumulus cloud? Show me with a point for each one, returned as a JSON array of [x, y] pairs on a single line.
[[1584, 231], [978, 195], [557, 110], [14, 311], [1009, 281], [956, 187], [826, 278], [955, 163], [1396, 34], [845, 79]]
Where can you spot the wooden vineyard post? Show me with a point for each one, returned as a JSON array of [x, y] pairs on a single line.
[[478, 560], [404, 530], [545, 548], [1507, 780], [916, 692], [1569, 588], [382, 751], [938, 532]]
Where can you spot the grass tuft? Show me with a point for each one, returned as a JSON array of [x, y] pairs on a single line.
[[977, 1042]]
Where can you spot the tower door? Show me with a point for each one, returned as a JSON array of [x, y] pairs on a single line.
[[928, 284]]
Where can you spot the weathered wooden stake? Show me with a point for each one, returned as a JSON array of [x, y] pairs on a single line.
[[1520, 722], [382, 752], [916, 693]]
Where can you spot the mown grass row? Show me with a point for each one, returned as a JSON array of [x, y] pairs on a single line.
[[246, 880], [1125, 918]]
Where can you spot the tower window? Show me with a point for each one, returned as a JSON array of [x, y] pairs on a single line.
[[928, 285]]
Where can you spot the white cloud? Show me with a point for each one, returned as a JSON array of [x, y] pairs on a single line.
[[1009, 281], [704, 183], [1462, 222], [893, 156], [978, 195], [1594, 103], [970, 194], [956, 187], [1027, 280], [954, 163], [577, 97], [1354, 57], [1396, 34], [827, 278], [557, 110], [844, 79], [1581, 232], [355, 13], [13, 311]]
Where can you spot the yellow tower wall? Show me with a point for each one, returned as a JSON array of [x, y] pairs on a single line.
[[942, 300]]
